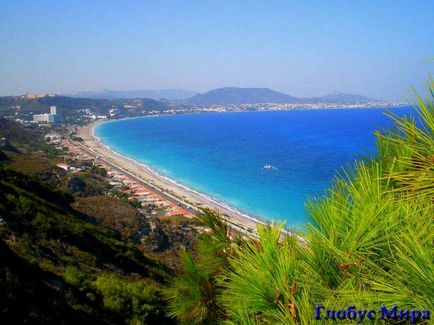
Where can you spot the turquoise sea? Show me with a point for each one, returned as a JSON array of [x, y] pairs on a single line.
[[223, 154]]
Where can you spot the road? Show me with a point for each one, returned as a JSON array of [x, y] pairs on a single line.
[[171, 198]]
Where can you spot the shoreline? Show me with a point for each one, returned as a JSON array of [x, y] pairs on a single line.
[[190, 197], [166, 185]]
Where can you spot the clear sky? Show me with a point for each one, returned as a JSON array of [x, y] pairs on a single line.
[[303, 48]]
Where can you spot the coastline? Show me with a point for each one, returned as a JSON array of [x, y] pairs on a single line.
[[182, 195], [188, 196]]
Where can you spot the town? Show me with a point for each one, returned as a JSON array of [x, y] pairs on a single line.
[[45, 110], [147, 200]]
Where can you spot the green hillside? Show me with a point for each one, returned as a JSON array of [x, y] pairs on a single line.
[[59, 266]]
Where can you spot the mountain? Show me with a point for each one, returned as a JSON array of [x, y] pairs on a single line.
[[338, 97], [223, 96], [233, 95], [170, 94]]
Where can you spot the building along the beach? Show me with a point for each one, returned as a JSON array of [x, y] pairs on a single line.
[[51, 118]]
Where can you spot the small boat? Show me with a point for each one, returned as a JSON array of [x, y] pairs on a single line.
[[268, 166]]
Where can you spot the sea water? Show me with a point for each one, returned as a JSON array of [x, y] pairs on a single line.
[[265, 164]]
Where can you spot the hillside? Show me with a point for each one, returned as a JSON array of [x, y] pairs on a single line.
[[232, 95], [71, 252], [338, 97], [71, 260], [156, 94], [14, 131], [71, 105]]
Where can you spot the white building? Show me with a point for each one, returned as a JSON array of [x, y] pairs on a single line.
[[53, 138], [43, 118], [47, 118]]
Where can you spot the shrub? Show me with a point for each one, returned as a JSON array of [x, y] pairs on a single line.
[[137, 300]]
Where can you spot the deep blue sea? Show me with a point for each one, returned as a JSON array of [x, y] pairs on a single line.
[[223, 154]]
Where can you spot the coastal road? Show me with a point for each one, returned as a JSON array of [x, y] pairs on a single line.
[[246, 230], [171, 198]]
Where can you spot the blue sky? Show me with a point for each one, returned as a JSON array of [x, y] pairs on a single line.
[[303, 48]]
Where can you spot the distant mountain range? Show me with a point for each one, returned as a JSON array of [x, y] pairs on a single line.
[[233, 95], [338, 97], [223, 96], [156, 94]]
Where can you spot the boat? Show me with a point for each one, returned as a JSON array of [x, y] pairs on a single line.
[[268, 166]]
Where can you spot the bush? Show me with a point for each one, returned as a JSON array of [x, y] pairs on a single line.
[[75, 277], [137, 300]]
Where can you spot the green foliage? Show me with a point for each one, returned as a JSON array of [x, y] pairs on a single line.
[[369, 243], [135, 204], [76, 138], [75, 277], [48, 149], [137, 300], [48, 249], [266, 278], [192, 295], [98, 171]]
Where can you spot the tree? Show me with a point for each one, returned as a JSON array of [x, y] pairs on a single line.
[[193, 295]]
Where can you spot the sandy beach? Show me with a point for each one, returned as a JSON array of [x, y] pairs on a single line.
[[163, 184]]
